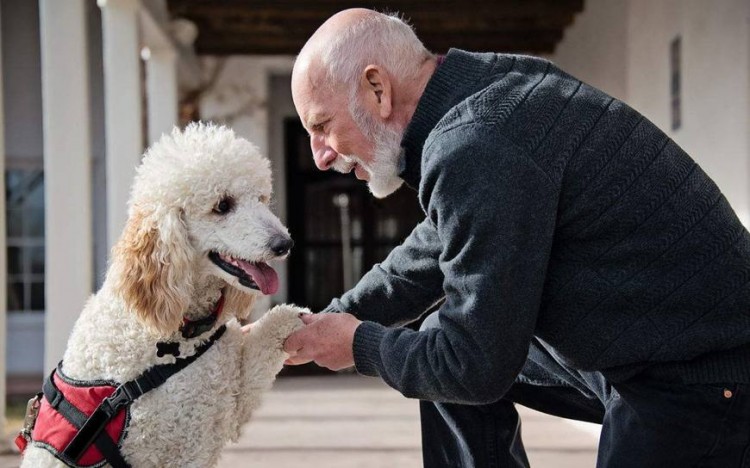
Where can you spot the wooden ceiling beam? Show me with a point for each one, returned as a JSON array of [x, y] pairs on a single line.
[[282, 26], [325, 8], [260, 24], [299, 37], [437, 45], [223, 50]]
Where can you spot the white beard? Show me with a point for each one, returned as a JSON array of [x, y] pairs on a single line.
[[383, 169]]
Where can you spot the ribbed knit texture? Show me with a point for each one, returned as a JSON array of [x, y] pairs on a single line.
[[556, 211]]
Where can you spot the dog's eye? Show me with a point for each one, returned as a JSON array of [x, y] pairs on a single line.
[[224, 206], [263, 199]]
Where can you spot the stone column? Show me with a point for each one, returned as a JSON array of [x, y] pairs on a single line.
[[123, 109], [67, 170], [161, 87]]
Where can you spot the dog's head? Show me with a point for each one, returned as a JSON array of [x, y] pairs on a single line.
[[199, 206]]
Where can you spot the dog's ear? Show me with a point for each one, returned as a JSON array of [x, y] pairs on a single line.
[[153, 260]]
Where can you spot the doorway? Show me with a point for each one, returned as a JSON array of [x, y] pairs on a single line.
[[340, 230]]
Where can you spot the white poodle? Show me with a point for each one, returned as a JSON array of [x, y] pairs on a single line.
[[190, 260]]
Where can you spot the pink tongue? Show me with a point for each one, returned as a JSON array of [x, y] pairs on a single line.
[[263, 275]]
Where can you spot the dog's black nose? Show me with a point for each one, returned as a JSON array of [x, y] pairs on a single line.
[[281, 245]]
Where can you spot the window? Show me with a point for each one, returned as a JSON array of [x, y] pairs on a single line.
[[25, 238]]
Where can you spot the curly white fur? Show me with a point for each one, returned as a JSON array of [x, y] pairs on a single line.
[[160, 273]]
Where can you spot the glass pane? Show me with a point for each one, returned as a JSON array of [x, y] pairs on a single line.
[[325, 276], [24, 188], [381, 253], [34, 222], [36, 255], [13, 182], [12, 179], [301, 142], [325, 225], [310, 283], [25, 202], [396, 216], [357, 263], [37, 296], [14, 221], [35, 189], [15, 296], [387, 229], [357, 229], [14, 261]]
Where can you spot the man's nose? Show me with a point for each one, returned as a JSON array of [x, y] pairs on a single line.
[[323, 155]]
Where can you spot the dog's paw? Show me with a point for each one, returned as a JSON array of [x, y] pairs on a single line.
[[278, 323]]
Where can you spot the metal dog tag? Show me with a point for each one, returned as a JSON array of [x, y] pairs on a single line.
[[32, 411]]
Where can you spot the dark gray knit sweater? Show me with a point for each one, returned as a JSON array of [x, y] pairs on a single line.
[[556, 211]]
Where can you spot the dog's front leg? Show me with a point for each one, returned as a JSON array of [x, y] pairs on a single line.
[[263, 355]]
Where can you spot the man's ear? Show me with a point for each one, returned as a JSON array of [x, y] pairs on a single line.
[[377, 90]]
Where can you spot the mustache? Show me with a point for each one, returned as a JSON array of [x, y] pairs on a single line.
[[344, 163]]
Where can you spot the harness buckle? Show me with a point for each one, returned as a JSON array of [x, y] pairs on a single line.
[[119, 399]]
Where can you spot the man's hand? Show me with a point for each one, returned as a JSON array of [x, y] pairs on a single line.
[[326, 339]]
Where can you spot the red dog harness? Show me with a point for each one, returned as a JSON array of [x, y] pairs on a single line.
[[83, 423], [65, 409]]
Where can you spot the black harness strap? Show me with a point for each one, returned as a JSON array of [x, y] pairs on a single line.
[[91, 429]]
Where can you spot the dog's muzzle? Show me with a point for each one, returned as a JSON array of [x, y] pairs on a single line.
[[254, 275]]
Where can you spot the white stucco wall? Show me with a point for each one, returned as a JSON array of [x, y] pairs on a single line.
[[241, 98], [594, 48], [715, 83], [622, 47]]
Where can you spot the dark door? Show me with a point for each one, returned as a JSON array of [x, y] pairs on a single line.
[[340, 230]]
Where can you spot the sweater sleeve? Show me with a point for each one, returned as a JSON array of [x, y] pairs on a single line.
[[495, 211], [400, 289]]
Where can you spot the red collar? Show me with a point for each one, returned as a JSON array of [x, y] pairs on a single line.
[[193, 328]]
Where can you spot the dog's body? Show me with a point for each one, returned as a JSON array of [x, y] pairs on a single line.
[[174, 262]]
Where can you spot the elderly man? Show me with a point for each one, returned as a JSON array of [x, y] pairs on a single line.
[[587, 267]]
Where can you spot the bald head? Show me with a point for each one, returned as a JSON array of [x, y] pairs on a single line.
[[339, 51], [343, 22]]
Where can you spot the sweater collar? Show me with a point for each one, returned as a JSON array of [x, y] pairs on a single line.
[[454, 80]]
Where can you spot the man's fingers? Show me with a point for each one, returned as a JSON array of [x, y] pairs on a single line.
[[296, 341], [301, 337], [297, 360], [300, 356], [301, 345], [307, 319]]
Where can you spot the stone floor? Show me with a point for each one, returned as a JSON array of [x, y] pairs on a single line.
[[339, 421]]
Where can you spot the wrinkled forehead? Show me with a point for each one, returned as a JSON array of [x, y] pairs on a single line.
[[316, 101], [310, 81]]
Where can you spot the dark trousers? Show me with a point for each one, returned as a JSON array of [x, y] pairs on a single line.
[[646, 423]]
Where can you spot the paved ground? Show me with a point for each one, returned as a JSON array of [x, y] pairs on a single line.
[[348, 421]]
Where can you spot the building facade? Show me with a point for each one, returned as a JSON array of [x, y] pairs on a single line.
[[88, 85]]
